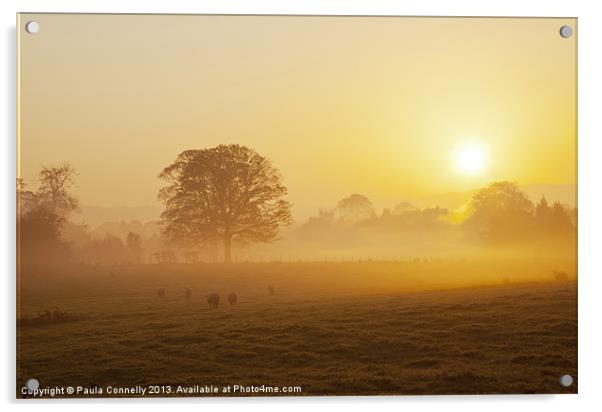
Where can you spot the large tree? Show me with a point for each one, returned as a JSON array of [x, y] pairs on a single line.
[[228, 193]]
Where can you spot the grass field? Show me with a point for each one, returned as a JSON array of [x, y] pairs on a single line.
[[496, 338]]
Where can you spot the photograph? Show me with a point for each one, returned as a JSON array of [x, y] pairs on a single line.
[[295, 205]]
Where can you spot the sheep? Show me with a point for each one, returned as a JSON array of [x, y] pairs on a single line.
[[232, 298], [161, 293], [560, 276], [187, 293], [271, 290], [213, 300]]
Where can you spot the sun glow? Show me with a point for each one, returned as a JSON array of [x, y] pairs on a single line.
[[470, 159]]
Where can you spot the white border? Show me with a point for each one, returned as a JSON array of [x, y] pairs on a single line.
[[590, 134]]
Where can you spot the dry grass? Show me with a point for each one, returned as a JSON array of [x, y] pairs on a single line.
[[516, 338]]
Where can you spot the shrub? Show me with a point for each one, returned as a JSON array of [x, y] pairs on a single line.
[[48, 317]]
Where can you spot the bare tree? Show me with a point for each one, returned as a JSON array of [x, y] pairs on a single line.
[[55, 183], [228, 193], [42, 215]]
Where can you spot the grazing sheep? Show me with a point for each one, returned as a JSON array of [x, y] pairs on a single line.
[[560, 276], [187, 293], [161, 293], [213, 300], [232, 298], [271, 290]]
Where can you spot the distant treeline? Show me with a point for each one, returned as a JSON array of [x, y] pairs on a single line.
[[496, 215]]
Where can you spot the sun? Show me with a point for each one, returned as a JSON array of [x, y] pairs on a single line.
[[470, 159]]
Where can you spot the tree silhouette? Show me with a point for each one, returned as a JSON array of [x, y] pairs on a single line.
[[403, 207], [41, 215], [501, 210], [227, 193], [38, 237], [561, 220], [21, 185], [543, 215], [55, 182], [133, 244], [355, 208]]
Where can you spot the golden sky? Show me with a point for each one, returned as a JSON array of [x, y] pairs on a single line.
[[340, 105]]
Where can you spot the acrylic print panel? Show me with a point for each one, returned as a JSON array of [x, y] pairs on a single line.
[[296, 205]]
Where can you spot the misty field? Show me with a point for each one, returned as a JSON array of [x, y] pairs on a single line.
[[317, 331]]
